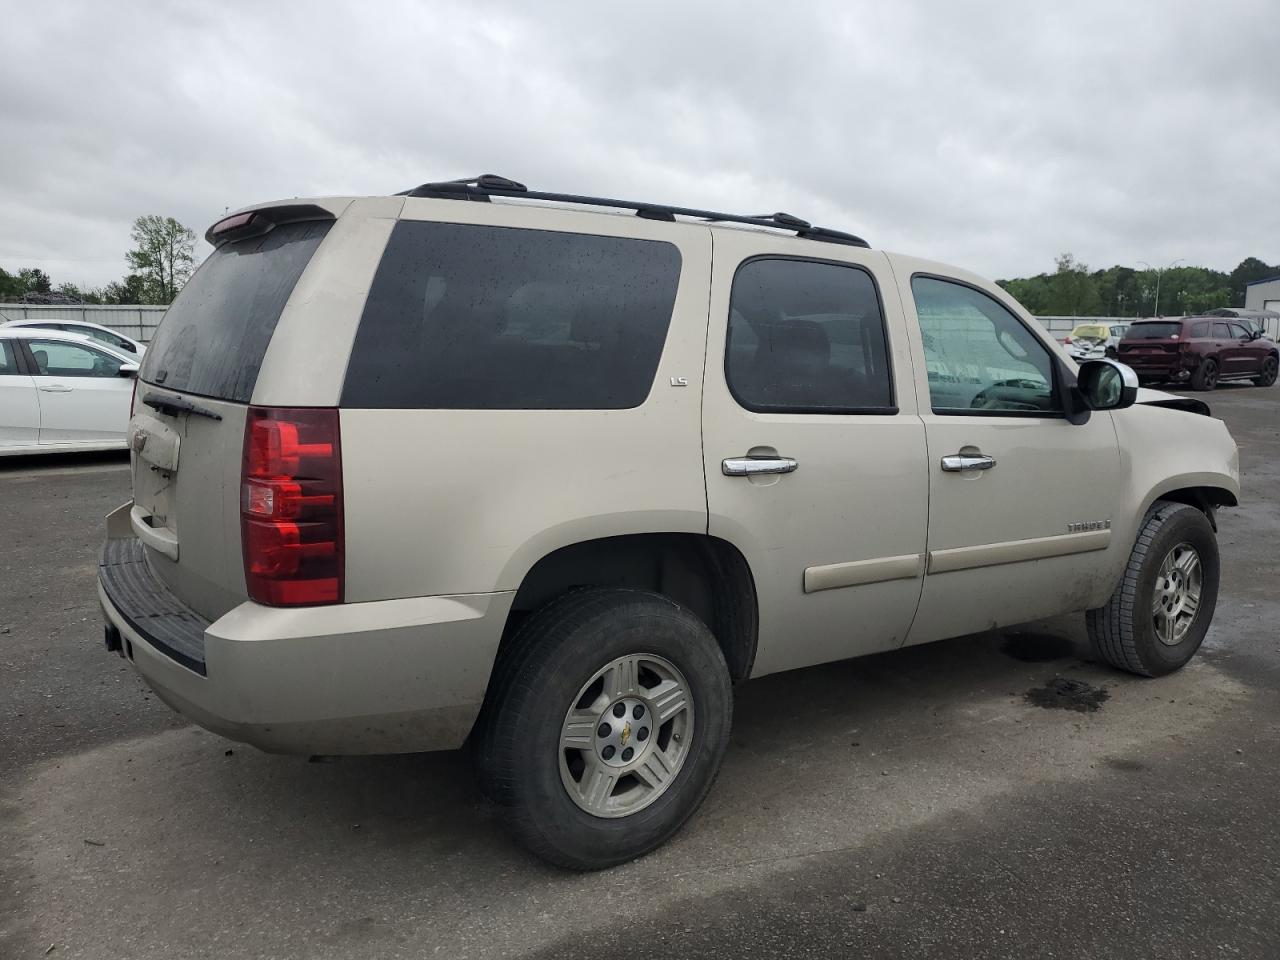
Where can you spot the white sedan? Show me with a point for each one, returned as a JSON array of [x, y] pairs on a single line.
[[61, 392], [117, 342]]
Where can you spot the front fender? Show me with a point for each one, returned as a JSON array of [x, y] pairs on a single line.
[[1163, 450]]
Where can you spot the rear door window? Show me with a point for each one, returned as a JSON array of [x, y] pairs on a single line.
[[8, 364], [1221, 331], [470, 317], [807, 337], [214, 336]]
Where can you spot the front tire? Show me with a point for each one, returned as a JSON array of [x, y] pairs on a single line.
[[1270, 367], [605, 727], [1158, 616]]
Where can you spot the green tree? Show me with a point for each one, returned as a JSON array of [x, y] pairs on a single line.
[[11, 285], [72, 292], [1248, 270], [163, 256], [1032, 292], [1074, 291], [132, 289], [35, 280]]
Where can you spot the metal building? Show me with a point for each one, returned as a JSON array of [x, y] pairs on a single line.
[[1263, 295]]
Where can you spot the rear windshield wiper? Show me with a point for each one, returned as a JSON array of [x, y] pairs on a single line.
[[176, 405]]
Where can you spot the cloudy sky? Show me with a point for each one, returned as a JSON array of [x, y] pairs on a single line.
[[993, 135]]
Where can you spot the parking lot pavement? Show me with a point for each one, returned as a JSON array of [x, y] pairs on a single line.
[[913, 804]]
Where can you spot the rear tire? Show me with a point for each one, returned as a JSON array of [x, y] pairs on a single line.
[[580, 795], [1206, 375], [1270, 367], [1158, 616]]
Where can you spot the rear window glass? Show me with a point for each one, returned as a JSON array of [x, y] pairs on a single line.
[[1153, 331], [214, 336], [8, 365], [467, 317]]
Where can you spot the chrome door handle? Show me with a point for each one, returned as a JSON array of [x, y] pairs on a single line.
[[961, 461], [55, 388], [751, 466]]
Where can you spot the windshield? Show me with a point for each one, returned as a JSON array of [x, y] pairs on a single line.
[[1157, 330]]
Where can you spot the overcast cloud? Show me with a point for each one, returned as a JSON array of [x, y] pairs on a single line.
[[989, 135]]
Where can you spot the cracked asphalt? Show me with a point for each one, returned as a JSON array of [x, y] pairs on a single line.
[[914, 804]]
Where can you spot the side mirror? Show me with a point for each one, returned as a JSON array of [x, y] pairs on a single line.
[[1106, 385], [127, 370]]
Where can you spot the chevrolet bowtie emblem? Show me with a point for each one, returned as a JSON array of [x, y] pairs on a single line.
[[626, 734]]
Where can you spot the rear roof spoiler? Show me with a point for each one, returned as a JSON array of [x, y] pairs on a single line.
[[254, 223]]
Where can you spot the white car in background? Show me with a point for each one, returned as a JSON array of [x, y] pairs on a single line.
[[62, 392], [1094, 341], [116, 341]]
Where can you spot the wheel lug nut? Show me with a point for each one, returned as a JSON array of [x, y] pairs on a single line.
[[607, 752], [627, 754], [643, 734], [638, 712], [619, 710], [604, 731]]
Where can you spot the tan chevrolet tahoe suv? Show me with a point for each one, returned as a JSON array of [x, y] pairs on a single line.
[[547, 474]]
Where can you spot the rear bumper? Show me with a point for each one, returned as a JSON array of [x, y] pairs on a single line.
[[392, 676], [1171, 367]]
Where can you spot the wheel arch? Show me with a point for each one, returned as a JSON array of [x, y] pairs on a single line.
[[1204, 496], [707, 575]]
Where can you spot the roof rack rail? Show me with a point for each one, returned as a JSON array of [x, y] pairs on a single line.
[[488, 185]]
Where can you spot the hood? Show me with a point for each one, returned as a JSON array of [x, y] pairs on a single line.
[[1158, 398]]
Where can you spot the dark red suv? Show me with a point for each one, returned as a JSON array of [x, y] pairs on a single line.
[[1199, 350]]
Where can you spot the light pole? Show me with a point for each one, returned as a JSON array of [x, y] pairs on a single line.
[[1155, 307]]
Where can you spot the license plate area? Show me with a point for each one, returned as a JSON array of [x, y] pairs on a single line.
[[156, 449]]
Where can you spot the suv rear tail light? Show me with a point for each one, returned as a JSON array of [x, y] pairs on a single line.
[[291, 506]]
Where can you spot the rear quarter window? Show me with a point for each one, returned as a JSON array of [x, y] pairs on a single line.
[[214, 336], [463, 317]]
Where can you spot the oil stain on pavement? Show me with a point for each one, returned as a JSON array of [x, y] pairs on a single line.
[[1062, 693]]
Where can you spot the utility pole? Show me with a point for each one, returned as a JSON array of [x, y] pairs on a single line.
[[1155, 307]]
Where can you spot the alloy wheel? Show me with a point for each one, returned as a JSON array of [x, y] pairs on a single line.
[[1177, 594], [626, 736]]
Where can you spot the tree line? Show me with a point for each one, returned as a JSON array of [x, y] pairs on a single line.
[[1072, 290], [160, 262]]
